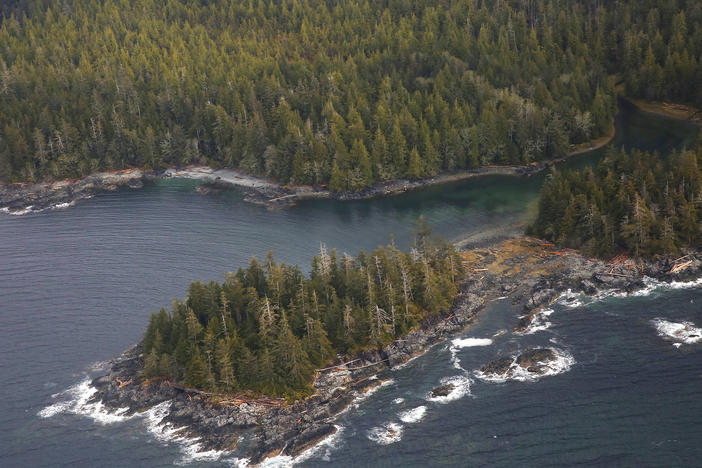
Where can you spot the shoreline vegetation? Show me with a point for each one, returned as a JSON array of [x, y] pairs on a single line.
[[24, 197], [531, 272], [667, 109]]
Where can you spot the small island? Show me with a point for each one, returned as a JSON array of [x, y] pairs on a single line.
[[263, 364]]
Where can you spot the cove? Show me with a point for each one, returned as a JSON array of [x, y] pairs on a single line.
[[77, 285]]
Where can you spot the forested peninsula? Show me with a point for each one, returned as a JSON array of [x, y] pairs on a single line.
[[338, 93]]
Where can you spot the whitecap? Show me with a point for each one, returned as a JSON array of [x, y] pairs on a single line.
[[413, 415], [386, 434], [681, 333], [562, 362], [398, 401], [461, 388]]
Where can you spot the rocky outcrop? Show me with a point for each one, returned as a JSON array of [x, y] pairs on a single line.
[[532, 358], [18, 198], [258, 427], [535, 361], [442, 391]]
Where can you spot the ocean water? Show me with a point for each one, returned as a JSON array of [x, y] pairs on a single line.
[[77, 286]]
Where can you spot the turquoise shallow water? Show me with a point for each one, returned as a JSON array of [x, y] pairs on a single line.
[[77, 286]]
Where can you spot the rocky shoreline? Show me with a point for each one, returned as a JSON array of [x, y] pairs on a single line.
[[262, 427], [22, 198], [25, 198], [531, 273]]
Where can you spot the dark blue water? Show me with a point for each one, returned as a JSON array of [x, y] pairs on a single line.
[[77, 287]]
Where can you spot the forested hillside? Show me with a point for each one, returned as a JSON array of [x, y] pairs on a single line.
[[268, 327], [311, 91], [637, 203]]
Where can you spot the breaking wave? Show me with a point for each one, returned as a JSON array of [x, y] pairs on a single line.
[[30, 208], [413, 415], [562, 362], [76, 400], [284, 461], [540, 322], [679, 332], [460, 343], [386, 434], [460, 388]]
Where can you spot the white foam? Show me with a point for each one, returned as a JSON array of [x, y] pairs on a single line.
[[77, 403], [540, 322], [362, 396], [570, 299], [62, 206], [652, 285], [21, 212], [407, 362], [30, 208], [285, 461], [398, 401], [461, 388], [562, 363], [386, 434], [681, 333], [413, 415], [470, 342], [460, 343]]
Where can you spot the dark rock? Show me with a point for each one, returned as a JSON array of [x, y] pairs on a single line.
[[588, 287], [532, 357], [498, 366], [443, 390]]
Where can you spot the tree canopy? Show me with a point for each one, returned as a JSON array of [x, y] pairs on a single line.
[[267, 327], [303, 91], [636, 202]]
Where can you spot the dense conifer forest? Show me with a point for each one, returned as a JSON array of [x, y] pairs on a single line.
[[311, 92], [267, 327], [638, 203]]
